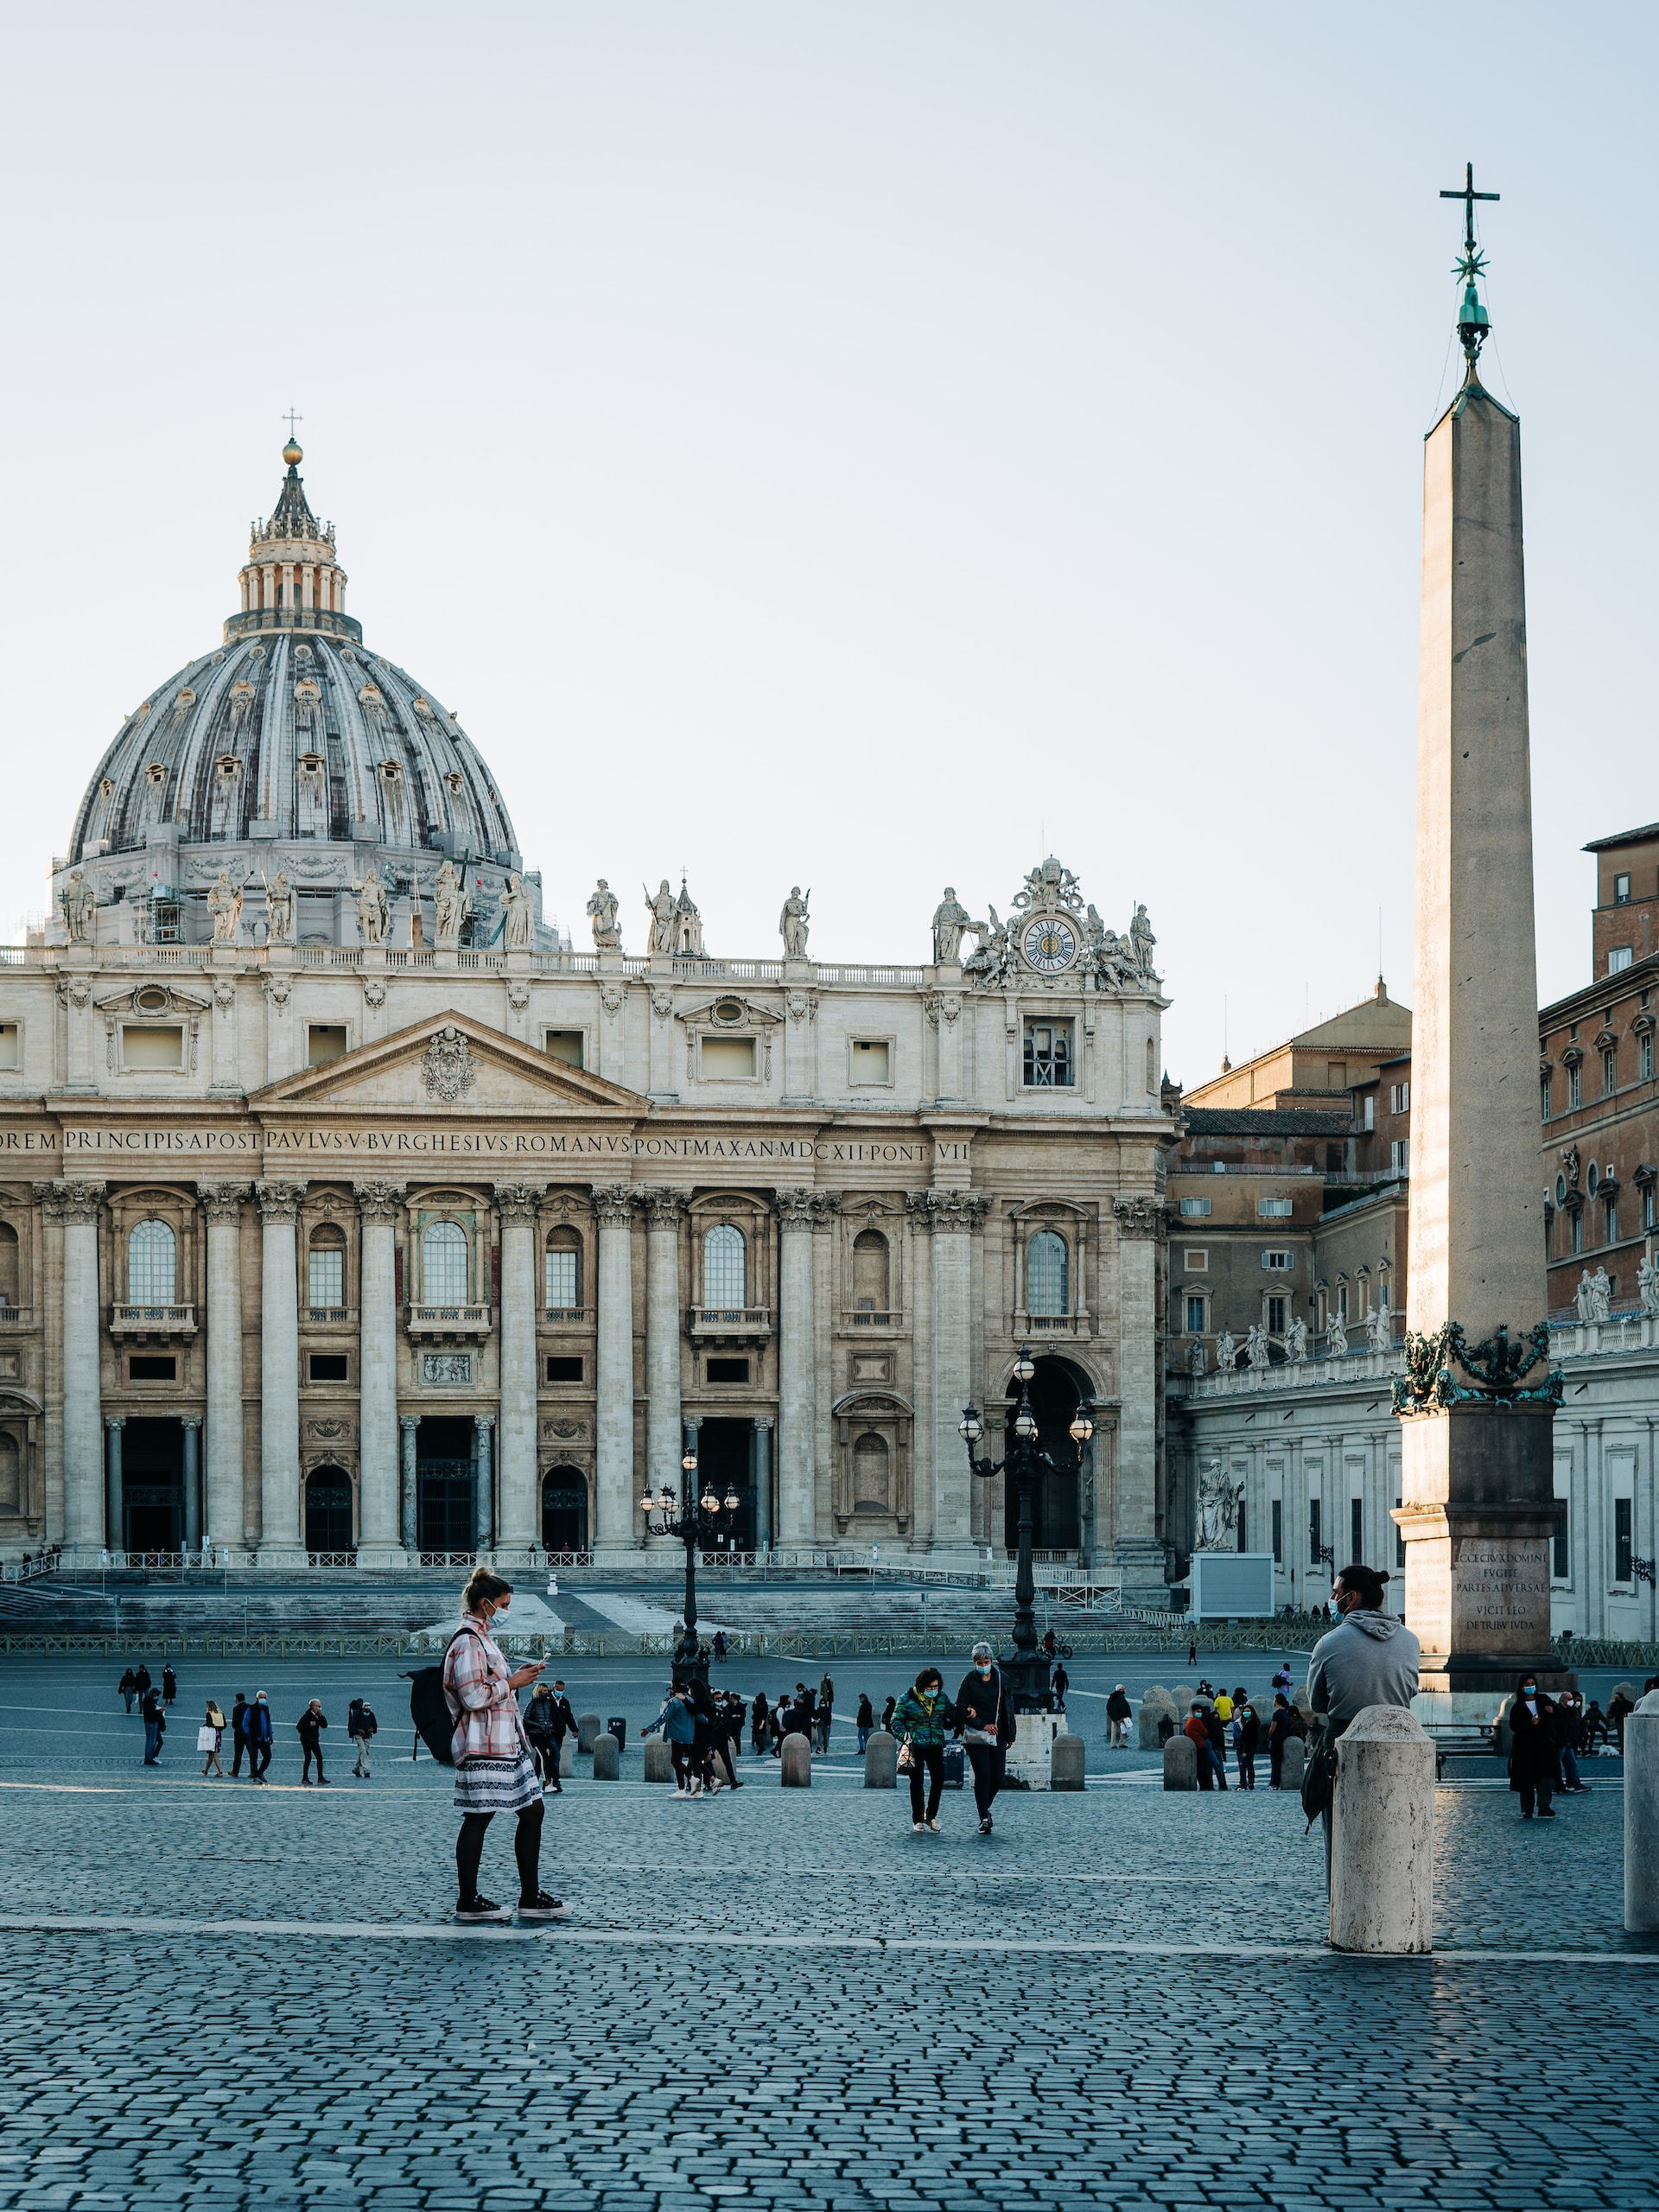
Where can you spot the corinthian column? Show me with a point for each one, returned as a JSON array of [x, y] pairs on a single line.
[[955, 1218], [279, 1369], [517, 1447], [377, 1359], [797, 1212], [409, 1425], [77, 1205], [613, 1484], [226, 1507], [664, 1212], [1137, 1549]]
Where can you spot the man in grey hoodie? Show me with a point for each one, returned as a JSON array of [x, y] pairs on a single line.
[[1369, 1658]]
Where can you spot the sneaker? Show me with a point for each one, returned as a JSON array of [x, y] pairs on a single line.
[[916, 1827], [323, 1783], [1547, 1812], [985, 1826], [679, 1793], [479, 1908], [306, 1782], [542, 1907], [934, 1825]]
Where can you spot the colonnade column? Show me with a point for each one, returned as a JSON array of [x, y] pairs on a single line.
[[409, 1428], [191, 1424], [1137, 1551], [77, 1206], [377, 1431], [760, 1468], [483, 1484], [520, 1516], [664, 1212], [114, 1512], [225, 1502], [614, 1483], [279, 1366], [954, 1217], [798, 1212]]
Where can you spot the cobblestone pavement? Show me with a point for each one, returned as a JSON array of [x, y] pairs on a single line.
[[782, 1997]]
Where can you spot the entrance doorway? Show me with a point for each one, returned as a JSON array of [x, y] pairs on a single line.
[[152, 1486], [723, 1448], [444, 1486], [564, 1509], [328, 1510], [1056, 1391]]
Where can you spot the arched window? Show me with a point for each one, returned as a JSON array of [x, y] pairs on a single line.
[[8, 1265], [869, 1272], [724, 1272], [326, 1268], [152, 1264], [871, 1462], [562, 1284], [1047, 1290], [443, 1264]]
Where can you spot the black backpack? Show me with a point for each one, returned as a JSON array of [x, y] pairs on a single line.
[[429, 1708]]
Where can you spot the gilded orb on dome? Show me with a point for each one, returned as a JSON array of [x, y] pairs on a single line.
[[292, 455]]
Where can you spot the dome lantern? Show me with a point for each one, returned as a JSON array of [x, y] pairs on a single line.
[[292, 580]]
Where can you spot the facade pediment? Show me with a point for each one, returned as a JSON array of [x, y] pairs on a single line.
[[452, 1065]]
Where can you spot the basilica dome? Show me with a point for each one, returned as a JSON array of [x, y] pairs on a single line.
[[290, 733]]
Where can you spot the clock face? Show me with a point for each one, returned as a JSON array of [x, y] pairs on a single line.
[[1049, 944]]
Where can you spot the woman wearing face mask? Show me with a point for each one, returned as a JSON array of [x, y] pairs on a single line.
[[495, 1771], [921, 1718], [987, 1728], [1535, 1769]]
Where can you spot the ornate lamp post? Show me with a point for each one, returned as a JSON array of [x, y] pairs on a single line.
[[1029, 1672], [694, 1522]]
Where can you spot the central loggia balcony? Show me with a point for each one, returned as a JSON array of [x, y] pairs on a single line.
[[434, 1322], [728, 1323], [153, 1320]]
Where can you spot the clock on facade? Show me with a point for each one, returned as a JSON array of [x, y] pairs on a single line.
[[1049, 944]]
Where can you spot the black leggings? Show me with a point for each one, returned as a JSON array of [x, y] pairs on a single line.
[[926, 1759], [526, 1849]]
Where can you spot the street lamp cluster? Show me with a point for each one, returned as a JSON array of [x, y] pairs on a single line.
[[1029, 1672], [694, 1522]]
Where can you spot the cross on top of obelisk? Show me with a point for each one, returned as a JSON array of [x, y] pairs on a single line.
[[1473, 321]]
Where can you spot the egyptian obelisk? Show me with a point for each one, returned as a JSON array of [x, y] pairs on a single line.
[[1478, 1404]]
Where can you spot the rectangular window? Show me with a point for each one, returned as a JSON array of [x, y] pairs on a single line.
[[1195, 1209], [1400, 1156], [1609, 1071], [1624, 1547], [1048, 1056], [1315, 1540], [1400, 1098], [564, 1367], [1278, 1532], [1611, 1208], [1621, 891], [324, 1041], [1276, 1316], [330, 1367], [1342, 1300], [1278, 1262], [1399, 1543], [1356, 1530], [326, 1276], [872, 1061], [728, 1370], [1543, 1089], [1368, 1111], [152, 1048], [153, 1367], [10, 1046], [1644, 1056], [563, 1045], [561, 1283], [1197, 1262], [1195, 1317], [1273, 1209], [1244, 1540], [1619, 957], [1647, 1206], [728, 1060], [1561, 1557], [1577, 1239], [1574, 1090]]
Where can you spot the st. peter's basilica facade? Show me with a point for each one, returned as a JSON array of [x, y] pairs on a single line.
[[347, 1213]]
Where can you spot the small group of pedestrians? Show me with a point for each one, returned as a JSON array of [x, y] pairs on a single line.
[[982, 1716], [703, 1730], [249, 1726]]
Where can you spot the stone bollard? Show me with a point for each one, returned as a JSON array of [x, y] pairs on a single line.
[[1383, 1834], [795, 1760], [1180, 1764], [1182, 1696], [608, 1759], [1155, 1705], [881, 1761], [659, 1766], [567, 1756], [587, 1728], [1292, 1762], [1641, 1817], [1066, 1762]]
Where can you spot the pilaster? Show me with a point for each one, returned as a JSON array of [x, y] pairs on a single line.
[[225, 1498], [613, 1481], [664, 1212], [279, 1373], [379, 1538], [518, 1204]]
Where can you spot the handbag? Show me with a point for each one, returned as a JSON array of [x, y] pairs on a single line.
[[206, 1739], [906, 1757], [985, 1737]]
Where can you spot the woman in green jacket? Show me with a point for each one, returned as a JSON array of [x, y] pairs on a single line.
[[922, 1718]]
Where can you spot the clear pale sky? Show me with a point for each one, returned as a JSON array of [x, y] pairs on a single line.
[[865, 446]]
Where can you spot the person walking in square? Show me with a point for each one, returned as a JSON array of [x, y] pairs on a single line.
[[826, 1712], [922, 1718], [155, 1714], [262, 1739], [309, 1726], [679, 1728], [564, 1724], [128, 1687], [361, 1729], [984, 1712], [1197, 1731], [1569, 1723], [865, 1722], [1247, 1736], [1119, 1713], [494, 1771], [141, 1680], [1534, 1761], [239, 1734], [169, 1685], [538, 1733], [211, 1739]]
